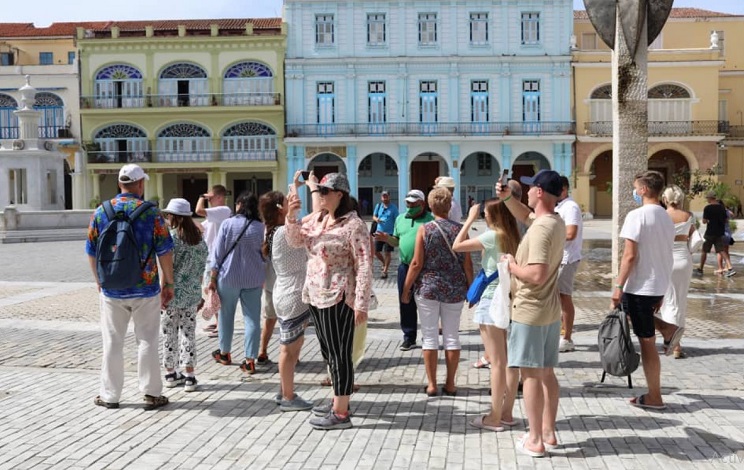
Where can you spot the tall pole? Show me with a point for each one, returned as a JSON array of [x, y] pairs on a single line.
[[629, 126]]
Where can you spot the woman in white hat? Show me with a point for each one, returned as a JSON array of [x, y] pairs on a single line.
[[178, 321]]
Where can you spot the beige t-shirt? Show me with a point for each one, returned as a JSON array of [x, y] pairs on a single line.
[[539, 305]]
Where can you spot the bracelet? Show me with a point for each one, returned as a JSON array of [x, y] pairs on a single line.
[[315, 191], [506, 198], [619, 286], [169, 285]]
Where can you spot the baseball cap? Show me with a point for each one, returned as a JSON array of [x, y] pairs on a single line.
[[336, 182], [547, 180], [445, 182], [384, 193], [132, 173], [415, 195]]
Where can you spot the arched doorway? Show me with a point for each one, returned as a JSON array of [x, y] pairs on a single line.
[[527, 164], [377, 172], [424, 170], [325, 163], [478, 174], [600, 195], [673, 165]]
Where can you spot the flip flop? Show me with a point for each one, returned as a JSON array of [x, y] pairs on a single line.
[[674, 340], [509, 423], [213, 334], [480, 424], [481, 363], [639, 402], [521, 447]]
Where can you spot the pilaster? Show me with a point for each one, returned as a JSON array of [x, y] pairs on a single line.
[[351, 169], [403, 176]]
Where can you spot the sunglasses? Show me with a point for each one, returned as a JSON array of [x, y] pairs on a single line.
[[324, 191]]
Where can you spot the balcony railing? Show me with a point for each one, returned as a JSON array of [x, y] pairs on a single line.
[[181, 157], [430, 129], [665, 128], [180, 100], [736, 132], [45, 132]]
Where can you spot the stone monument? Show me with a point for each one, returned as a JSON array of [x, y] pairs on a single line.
[[627, 27]]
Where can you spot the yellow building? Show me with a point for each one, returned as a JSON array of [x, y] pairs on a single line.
[[696, 99], [194, 102]]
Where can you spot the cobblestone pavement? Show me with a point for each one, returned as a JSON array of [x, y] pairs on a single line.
[[50, 359]]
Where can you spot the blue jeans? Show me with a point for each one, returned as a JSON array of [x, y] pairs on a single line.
[[408, 312], [250, 302]]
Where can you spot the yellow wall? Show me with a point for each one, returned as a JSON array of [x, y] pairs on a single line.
[[29, 49]]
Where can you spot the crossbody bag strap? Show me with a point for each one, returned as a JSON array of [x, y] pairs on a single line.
[[446, 241], [222, 261]]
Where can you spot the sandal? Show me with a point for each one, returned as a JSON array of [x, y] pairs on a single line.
[[679, 354], [108, 405], [224, 359], [248, 366], [482, 363], [640, 402], [326, 382], [152, 402], [213, 334], [262, 358]]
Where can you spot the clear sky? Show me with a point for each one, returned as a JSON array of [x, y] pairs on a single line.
[[44, 12]]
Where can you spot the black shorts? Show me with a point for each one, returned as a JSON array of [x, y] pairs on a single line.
[[383, 246], [719, 242], [641, 309]]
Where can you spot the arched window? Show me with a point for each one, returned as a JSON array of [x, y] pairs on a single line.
[[8, 120], [183, 84], [184, 142], [122, 143], [602, 93], [249, 141], [600, 109], [52, 117], [669, 106], [118, 86], [248, 83]]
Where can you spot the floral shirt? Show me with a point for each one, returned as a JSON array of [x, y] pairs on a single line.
[[339, 260], [441, 279], [188, 267], [152, 236]]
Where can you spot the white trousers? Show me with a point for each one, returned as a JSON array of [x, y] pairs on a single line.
[[431, 312], [115, 315]]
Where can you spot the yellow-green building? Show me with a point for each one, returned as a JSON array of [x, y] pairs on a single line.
[[696, 99], [194, 102]]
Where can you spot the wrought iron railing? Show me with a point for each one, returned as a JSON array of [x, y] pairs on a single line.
[[101, 156], [180, 100], [736, 132], [664, 128], [430, 129]]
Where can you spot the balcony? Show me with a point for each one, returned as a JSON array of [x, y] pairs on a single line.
[[45, 132], [664, 128], [98, 156], [413, 129], [180, 100], [736, 132]]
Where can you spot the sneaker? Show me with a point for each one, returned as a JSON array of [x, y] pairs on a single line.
[[224, 359], [407, 345], [698, 271], [152, 402], [323, 409], [730, 273], [331, 421], [189, 384], [249, 367], [278, 398], [106, 404], [174, 379], [566, 345], [295, 404]]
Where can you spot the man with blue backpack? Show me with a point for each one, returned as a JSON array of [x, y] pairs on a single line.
[[125, 236]]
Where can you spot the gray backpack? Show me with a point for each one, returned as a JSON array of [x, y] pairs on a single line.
[[616, 350]]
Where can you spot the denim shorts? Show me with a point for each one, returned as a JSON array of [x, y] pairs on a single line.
[[481, 315], [533, 347]]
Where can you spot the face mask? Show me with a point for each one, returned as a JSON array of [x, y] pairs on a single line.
[[413, 211], [637, 198]]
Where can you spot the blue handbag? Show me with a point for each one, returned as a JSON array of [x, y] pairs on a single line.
[[481, 281]]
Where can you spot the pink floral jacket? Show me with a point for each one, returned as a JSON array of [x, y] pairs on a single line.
[[339, 260]]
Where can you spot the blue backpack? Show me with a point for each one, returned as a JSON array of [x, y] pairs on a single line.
[[118, 259]]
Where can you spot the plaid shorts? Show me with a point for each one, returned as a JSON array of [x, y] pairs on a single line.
[[293, 329]]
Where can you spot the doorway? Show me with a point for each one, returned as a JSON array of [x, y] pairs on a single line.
[[423, 175], [519, 171], [365, 201], [183, 93], [192, 188]]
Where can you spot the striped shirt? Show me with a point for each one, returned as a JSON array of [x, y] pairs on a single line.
[[244, 267]]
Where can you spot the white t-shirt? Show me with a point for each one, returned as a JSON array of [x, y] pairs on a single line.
[[455, 213], [215, 217], [570, 212], [651, 227]]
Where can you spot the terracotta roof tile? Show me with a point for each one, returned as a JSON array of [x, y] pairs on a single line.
[[676, 13], [266, 25]]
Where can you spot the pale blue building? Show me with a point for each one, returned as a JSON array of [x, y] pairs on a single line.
[[397, 93]]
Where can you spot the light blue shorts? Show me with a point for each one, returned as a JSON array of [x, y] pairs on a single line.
[[533, 347], [481, 315]]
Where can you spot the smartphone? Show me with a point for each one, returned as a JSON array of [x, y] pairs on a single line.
[[504, 178], [305, 175], [291, 189]]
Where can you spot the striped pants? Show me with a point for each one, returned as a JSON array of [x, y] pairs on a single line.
[[334, 327]]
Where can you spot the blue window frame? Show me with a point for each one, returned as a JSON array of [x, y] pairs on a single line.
[[479, 105], [46, 58], [326, 107], [530, 28], [71, 57], [531, 114], [428, 106], [377, 103]]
